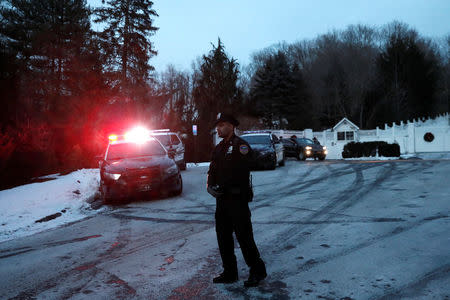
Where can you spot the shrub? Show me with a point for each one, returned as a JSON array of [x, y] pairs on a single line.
[[367, 149]]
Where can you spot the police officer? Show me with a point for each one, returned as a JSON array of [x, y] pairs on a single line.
[[229, 183]]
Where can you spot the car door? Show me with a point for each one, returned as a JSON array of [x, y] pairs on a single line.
[[178, 147], [278, 147], [289, 146]]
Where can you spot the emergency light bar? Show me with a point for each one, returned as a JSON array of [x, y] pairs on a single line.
[[160, 130], [257, 131], [137, 135]]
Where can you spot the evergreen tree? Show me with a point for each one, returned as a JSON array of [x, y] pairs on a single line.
[[279, 94], [58, 75], [50, 41], [215, 90], [126, 44]]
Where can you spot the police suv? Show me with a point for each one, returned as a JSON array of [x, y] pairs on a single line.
[[172, 142], [136, 164], [268, 151]]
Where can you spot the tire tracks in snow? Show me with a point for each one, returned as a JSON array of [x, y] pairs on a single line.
[[367, 243], [417, 286], [381, 176]]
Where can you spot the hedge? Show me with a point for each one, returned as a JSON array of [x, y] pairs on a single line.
[[368, 149]]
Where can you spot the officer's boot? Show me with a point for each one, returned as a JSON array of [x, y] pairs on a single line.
[[226, 277], [257, 273]]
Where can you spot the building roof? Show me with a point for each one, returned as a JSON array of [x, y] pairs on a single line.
[[345, 121]]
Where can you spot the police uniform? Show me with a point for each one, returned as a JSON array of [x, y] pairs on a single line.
[[229, 171]]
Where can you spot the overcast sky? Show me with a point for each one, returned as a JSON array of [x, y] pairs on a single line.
[[187, 28]]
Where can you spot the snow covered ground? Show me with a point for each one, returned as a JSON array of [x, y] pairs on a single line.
[[23, 209], [326, 230]]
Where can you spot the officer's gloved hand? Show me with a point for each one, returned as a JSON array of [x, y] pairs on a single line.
[[215, 190]]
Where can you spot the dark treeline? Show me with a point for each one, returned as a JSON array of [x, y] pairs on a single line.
[[366, 74], [64, 86]]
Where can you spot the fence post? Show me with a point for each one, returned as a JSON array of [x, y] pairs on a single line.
[[411, 138]]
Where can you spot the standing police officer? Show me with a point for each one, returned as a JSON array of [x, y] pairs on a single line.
[[229, 183]]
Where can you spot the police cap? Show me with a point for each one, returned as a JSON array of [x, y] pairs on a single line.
[[223, 117]]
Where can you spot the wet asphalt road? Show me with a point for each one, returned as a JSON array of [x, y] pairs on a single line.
[[330, 230]]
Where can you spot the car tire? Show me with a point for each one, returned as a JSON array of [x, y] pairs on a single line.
[[321, 157], [183, 165], [180, 189], [106, 199], [301, 155], [273, 165]]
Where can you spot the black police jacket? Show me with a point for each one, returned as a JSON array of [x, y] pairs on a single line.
[[230, 168]]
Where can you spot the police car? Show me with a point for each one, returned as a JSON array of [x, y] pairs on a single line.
[[136, 164], [268, 151], [172, 142]]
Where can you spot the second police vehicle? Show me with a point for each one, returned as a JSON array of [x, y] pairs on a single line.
[[136, 164], [267, 149], [172, 142]]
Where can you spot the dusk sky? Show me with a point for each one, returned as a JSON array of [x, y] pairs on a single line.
[[187, 28]]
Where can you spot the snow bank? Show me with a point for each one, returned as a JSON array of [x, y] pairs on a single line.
[[61, 200], [202, 164]]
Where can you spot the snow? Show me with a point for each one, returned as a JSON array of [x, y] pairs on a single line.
[[68, 195], [22, 206], [201, 164], [328, 229]]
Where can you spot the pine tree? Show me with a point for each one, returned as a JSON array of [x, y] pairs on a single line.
[[279, 94], [58, 72], [215, 90], [126, 44], [49, 39]]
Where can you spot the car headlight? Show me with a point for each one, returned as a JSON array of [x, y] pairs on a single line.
[[324, 147], [112, 176], [171, 170], [308, 147]]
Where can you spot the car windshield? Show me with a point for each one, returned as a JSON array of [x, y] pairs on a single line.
[[287, 142], [129, 150], [305, 141], [257, 139], [164, 139]]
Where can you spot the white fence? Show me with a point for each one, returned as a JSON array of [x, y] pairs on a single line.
[[424, 135]]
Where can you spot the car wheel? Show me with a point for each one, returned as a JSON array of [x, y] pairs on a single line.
[[183, 165], [273, 165], [179, 190], [321, 157], [106, 199], [301, 155]]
